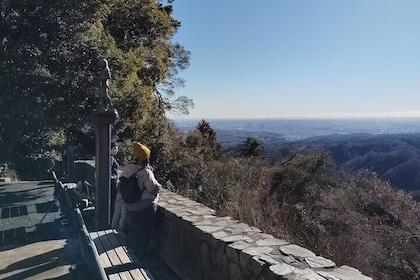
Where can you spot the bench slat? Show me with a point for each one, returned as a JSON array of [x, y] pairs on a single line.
[[116, 257], [147, 275], [107, 249], [125, 275], [139, 274], [114, 277], [101, 250], [121, 248], [112, 255], [132, 274]]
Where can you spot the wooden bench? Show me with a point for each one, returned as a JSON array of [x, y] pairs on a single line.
[[106, 252], [117, 259]]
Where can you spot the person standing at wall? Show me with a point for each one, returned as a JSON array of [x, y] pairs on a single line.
[[115, 173], [142, 214], [119, 212]]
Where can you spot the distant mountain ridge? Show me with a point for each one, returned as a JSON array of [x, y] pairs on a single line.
[[394, 157], [389, 147]]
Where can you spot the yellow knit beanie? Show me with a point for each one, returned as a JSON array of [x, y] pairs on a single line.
[[140, 151]]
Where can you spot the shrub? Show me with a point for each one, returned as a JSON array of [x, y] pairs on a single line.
[[351, 218]]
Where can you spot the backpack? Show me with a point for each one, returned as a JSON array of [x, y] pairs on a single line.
[[129, 189]]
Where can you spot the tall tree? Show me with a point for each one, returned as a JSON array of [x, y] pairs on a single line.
[[207, 131], [48, 63], [252, 148], [204, 139]]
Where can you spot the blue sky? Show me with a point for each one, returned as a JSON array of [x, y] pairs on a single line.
[[300, 59]]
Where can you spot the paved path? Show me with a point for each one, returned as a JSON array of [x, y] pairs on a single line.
[[36, 242]]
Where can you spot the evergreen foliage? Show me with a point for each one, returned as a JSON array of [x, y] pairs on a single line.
[[205, 137], [49, 54], [252, 148]]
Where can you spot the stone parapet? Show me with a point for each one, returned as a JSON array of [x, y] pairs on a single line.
[[197, 244]]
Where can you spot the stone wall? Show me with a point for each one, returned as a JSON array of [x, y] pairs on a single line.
[[198, 245]]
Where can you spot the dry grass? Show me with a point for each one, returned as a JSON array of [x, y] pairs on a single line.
[[351, 218]]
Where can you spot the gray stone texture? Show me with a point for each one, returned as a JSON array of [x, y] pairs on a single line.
[[198, 245]]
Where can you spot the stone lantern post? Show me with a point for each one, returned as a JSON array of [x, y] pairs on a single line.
[[103, 117]]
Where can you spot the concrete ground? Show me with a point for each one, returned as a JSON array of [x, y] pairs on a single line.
[[39, 260], [36, 241]]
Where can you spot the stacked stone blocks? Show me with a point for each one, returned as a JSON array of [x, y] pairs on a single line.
[[197, 244]]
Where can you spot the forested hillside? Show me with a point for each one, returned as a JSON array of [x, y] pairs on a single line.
[[351, 217], [394, 157]]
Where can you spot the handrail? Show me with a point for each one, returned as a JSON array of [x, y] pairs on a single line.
[[90, 247]]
